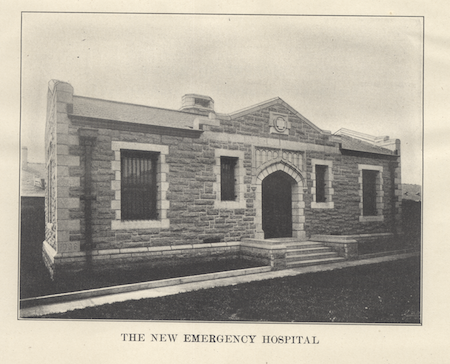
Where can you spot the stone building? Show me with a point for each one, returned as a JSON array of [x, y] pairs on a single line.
[[137, 186]]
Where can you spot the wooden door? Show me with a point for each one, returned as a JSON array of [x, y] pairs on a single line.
[[277, 205]]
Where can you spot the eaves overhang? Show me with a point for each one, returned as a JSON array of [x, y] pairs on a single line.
[[99, 123], [360, 153]]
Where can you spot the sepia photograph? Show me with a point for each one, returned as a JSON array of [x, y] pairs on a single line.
[[221, 168]]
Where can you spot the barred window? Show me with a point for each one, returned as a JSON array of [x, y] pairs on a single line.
[[138, 185], [227, 178], [320, 183], [369, 192]]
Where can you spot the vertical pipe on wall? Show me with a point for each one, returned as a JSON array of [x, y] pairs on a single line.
[[88, 139]]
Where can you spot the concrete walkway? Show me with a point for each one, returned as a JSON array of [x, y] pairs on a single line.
[[52, 308]]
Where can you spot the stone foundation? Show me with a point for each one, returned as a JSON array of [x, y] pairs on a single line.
[[136, 258], [268, 252], [347, 245]]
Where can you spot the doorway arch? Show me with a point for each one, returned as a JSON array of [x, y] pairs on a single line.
[[290, 194]]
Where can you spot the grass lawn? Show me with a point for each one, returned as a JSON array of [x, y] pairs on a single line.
[[35, 280], [377, 293]]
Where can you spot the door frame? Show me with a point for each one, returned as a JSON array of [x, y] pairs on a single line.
[[298, 205]]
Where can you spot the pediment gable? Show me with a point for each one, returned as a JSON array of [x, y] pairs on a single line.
[[280, 106]]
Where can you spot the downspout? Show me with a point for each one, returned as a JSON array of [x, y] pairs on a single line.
[[392, 167], [88, 138]]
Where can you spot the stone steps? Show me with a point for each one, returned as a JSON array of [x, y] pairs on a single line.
[[302, 251], [306, 263], [304, 245], [307, 253], [310, 256]]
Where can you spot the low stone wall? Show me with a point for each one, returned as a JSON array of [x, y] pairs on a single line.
[[137, 258], [265, 252], [347, 245]]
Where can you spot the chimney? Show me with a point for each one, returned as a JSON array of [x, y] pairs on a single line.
[[197, 104], [24, 157]]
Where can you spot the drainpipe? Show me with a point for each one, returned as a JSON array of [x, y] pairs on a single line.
[[88, 138], [394, 224]]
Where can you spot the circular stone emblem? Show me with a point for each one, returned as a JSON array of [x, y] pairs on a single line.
[[280, 124]]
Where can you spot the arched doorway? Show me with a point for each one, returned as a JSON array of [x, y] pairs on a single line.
[[277, 205], [282, 171]]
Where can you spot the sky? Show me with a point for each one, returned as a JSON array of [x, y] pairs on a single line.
[[360, 73]]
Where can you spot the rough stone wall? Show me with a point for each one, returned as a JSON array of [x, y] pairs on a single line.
[[343, 219], [192, 213], [257, 124], [102, 214], [193, 218], [191, 194]]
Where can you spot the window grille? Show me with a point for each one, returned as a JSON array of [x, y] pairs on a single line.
[[370, 192], [227, 178], [138, 185], [320, 183]]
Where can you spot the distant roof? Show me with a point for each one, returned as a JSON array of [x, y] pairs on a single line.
[[362, 136], [411, 192], [354, 144], [32, 177], [132, 113]]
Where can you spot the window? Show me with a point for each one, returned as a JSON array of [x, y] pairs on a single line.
[[227, 178], [155, 170], [229, 173], [322, 178], [320, 183], [369, 192], [138, 185]]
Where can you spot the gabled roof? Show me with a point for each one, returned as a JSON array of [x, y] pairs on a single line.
[[268, 103], [353, 144], [363, 136], [149, 115], [132, 113]]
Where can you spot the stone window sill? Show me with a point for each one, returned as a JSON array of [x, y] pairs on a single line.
[[147, 224], [371, 218], [322, 205]]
